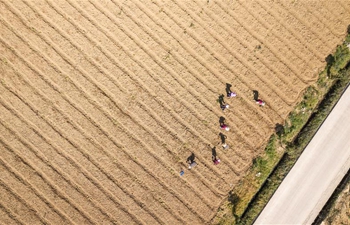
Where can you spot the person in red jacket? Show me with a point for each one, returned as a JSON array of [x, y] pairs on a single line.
[[260, 102], [224, 127]]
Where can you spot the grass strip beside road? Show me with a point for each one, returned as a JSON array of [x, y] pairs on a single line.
[[249, 197]]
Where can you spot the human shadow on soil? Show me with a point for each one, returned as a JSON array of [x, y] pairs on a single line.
[[222, 120], [191, 158], [228, 88], [221, 100], [256, 95], [213, 152], [222, 137]]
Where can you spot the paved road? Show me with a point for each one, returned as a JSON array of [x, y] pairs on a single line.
[[316, 174]]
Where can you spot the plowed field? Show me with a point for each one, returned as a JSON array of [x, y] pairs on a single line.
[[101, 102]]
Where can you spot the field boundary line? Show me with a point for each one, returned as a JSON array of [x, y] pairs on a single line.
[[273, 88], [282, 58], [13, 216], [37, 192]]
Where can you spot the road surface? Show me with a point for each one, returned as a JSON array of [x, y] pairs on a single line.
[[316, 174]]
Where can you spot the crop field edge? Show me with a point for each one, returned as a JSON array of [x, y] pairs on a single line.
[[287, 144]]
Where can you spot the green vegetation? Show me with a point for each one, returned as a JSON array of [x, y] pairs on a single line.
[[249, 197]]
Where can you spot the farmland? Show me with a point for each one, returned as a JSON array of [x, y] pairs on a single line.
[[102, 102]]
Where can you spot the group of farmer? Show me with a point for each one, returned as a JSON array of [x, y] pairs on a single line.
[[224, 106]]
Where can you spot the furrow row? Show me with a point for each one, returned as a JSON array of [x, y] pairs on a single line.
[[271, 54], [66, 178], [323, 16], [7, 217], [283, 65], [112, 196], [149, 31], [258, 75], [196, 133], [345, 5], [122, 123], [15, 207], [161, 64], [98, 167], [295, 31], [287, 39], [39, 155], [80, 188], [326, 37], [91, 139], [299, 26], [247, 72], [340, 14], [18, 181], [237, 83], [133, 11]]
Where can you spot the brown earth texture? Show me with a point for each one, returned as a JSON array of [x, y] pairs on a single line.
[[102, 101], [340, 213]]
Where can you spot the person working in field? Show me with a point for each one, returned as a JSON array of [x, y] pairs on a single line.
[[224, 127], [213, 156], [231, 94], [224, 106], [191, 162], [223, 141], [216, 160], [222, 124], [260, 102]]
